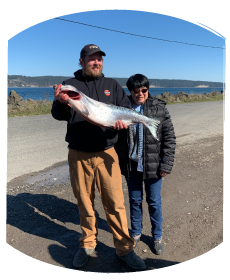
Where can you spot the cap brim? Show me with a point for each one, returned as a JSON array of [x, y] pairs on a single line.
[[95, 51]]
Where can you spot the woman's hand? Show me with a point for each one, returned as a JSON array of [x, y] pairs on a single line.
[[163, 174], [120, 125]]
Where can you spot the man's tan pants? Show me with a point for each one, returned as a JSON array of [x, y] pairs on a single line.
[[84, 168]]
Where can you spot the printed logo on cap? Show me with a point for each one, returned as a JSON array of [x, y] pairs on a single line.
[[93, 47]]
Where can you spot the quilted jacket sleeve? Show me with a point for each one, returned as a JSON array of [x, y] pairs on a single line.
[[168, 144]]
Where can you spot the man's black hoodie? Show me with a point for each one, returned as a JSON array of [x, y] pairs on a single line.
[[82, 135]]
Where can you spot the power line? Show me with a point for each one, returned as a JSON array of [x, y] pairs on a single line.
[[137, 34]]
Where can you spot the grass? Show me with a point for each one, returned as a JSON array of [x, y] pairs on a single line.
[[40, 110]]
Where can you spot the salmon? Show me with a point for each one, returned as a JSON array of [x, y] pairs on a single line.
[[106, 115]]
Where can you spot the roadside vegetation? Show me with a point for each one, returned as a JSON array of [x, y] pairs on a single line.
[[39, 109], [18, 107], [183, 97]]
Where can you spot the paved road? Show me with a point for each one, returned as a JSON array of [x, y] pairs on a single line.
[[37, 142]]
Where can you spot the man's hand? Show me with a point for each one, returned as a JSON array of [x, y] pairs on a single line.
[[120, 125], [163, 174], [60, 96]]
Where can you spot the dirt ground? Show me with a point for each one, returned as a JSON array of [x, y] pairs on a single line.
[[43, 221]]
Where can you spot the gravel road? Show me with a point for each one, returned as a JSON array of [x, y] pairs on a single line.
[[43, 219], [37, 142]]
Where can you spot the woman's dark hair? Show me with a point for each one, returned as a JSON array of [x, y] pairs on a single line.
[[136, 81]]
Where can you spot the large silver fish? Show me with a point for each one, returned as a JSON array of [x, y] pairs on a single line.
[[106, 115]]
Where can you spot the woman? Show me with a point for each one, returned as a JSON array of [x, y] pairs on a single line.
[[154, 162]]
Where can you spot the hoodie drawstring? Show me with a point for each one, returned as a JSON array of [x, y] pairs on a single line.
[[87, 87], [95, 89]]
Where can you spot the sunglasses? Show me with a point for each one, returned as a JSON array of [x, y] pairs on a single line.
[[144, 90]]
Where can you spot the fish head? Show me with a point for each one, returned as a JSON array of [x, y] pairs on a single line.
[[71, 91], [76, 100]]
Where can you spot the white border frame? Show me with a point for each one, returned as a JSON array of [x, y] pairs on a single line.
[[4, 130]]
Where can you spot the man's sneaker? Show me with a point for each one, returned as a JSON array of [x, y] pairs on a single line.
[[158, 246], [133, 261], [82, 257], [136, 239]]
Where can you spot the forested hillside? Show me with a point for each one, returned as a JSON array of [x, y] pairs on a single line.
[[49, 81]]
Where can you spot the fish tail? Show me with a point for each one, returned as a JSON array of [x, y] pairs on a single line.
[[153, 126]]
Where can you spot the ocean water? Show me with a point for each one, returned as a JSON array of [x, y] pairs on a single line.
[[48, 93]]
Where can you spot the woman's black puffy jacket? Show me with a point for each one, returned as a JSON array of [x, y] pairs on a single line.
[[158, 155]]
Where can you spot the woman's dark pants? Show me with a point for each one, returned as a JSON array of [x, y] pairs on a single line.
[[153, 198]]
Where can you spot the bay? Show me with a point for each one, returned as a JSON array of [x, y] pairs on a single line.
[[39, 93]]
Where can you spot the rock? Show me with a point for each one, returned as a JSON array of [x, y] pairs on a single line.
[[170, 98], [30, 99], [32, 102], [182, 94], [165, 94], [22, 103], [159, 96], [10, 107], [215, 93], [14, 98], [46, 102]]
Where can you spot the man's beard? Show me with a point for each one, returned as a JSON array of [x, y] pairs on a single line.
[[88, 71]]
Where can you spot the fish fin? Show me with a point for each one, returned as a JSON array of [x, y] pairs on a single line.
[[154, 126], [84, 110], [153, 131]]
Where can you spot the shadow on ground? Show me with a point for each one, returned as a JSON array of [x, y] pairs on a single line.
[[46, 216]]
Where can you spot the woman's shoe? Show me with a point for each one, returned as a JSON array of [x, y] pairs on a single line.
[[158, 246]]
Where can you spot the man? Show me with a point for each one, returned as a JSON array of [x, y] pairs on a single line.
[[92, 158]]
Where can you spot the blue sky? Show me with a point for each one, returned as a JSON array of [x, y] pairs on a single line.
[[53, 47]]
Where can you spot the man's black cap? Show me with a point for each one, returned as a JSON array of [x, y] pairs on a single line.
[[90, 49]]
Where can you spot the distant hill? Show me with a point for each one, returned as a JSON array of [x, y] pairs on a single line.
[[49, 81], [40, 81]]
